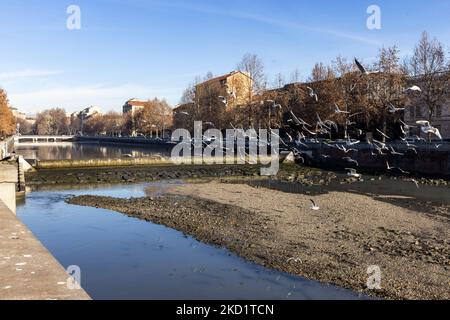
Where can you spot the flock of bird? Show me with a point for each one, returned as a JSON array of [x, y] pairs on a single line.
[[346, 146]]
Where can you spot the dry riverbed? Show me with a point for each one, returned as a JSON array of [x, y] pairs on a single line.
[[407, 240]]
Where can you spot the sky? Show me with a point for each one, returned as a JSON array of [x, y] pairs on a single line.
[[154, 48]]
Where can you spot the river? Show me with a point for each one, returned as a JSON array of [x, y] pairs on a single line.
[[87, 151], [126, 258]]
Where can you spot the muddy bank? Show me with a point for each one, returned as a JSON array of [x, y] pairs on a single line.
[[334, 245]]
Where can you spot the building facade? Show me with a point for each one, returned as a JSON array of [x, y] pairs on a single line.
[[132, 106], [232, 89]]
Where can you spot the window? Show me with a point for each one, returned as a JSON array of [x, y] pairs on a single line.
[[418, 111], [438, 112], [412, 113]]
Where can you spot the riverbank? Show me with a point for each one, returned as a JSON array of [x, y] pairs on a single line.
[[335, 244], [135, 174], [27, 270]]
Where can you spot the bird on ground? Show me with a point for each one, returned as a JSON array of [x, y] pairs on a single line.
[[296, 260], [314, 206], [337, 110], [352, 173]]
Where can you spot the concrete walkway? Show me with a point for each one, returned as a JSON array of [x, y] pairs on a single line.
[[27, 270]]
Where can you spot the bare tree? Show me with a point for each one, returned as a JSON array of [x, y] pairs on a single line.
[[430, 67], [52, 122], [254, 67], [279, 81], [295, 76], [386, 87]]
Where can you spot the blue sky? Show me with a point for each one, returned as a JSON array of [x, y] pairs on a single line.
[[146, 48]]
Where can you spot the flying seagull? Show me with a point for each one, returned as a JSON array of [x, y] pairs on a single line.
[[383, 134], [362, 68], [413, 89], [312, 94], [392, 109], [338, 110], [313, 205], [348, 159]]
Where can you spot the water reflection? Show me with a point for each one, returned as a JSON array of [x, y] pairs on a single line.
[[126, 258], [80, 151]]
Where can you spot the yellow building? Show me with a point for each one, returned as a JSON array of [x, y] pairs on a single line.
[[232, 89]]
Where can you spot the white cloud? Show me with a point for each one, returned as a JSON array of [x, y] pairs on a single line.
[[74, 98], [28, 73]]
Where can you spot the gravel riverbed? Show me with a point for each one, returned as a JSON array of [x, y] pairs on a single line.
[[407, 239]]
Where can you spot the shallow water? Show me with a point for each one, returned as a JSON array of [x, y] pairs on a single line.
[[126, 258]]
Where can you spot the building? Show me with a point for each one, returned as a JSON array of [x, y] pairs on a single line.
[[234, 88], [440, 120], [86, 113], [133, 105], [183, 115], [17, 114], [416, 110]]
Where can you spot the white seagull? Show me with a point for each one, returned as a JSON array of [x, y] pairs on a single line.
[[392, 109], [312, 94], [383, 134], [338, 110], [313, 205], [362, 69], [413, 89], [353, 173]]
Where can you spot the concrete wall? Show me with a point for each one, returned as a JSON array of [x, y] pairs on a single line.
[[9, 174], [27, 270], [429, 160], [6, 148]]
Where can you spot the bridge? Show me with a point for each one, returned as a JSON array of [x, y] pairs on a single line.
[[42, 139]]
